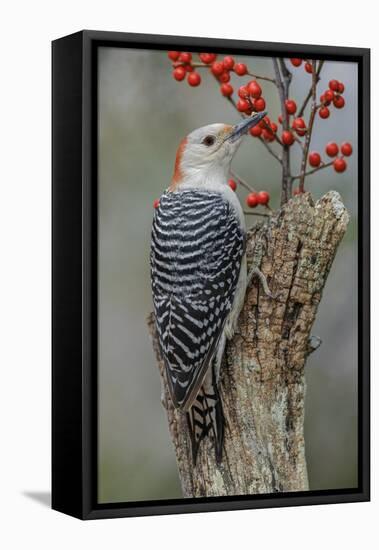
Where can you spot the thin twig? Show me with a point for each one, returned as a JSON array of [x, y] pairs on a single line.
[[243, 182], [281, 91], [309, 95], [270, 150], [287, 75], [298, 141], [268, 127], [308, 135], [259, 77], [231, 100], [310, 172], [198, 65], [286, 178], [247, 213]]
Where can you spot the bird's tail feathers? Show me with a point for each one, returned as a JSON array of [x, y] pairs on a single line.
[[206, 417]]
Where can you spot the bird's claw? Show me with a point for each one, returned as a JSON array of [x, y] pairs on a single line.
[[256, 272]]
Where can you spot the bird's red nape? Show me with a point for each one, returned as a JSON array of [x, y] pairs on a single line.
[[176, 178]]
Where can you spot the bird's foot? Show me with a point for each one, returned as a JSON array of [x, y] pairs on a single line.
[[256, 272]]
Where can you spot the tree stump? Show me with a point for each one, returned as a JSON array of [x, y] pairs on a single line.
[[262, 382]]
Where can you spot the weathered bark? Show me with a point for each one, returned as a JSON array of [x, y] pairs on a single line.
[[262, 382]]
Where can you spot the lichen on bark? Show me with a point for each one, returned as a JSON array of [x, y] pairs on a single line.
[[262, 383]]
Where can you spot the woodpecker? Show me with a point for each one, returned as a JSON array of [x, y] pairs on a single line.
[[199, 275]]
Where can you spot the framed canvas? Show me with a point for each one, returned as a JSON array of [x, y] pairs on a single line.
[[210, 275]]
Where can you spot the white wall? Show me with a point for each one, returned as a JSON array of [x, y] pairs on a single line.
[[26, 31]]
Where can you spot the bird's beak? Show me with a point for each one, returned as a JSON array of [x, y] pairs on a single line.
[[243, 127]]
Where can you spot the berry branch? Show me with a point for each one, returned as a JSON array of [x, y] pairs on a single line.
[[242, 182], [248, 213], [254, 198], [287, 75], [309, 95], [308, 134], [248, 99], [286, 176], [215, 69], [258, 77], [310, 172], [271, 151]]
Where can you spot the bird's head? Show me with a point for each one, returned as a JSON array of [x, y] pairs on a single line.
[[205, 155]]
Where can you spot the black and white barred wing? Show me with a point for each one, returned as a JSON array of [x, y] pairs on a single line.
[[196, 253]]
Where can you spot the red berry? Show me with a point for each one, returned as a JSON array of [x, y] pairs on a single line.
[[179, 73], [240, 69], [228, 62], [324, 99], [207, 58], [338, 102], [226, 89], [256, 131], [267, 135], [259, 104], [232, 184], [224, 77], [243, 92], [333, 85], [287, 138], [296, 62], [156, 203], [217, 68], [299, 126], [346, 149], [331, 149], [264, 122], [274, 127], [341, 88], [339, 165], [280, 119], [324, 112], [185, 57], [308, 67], [194, 79], [291, 106], [204, 57], [254, 89], [263, 197], [252, 200], [243, 105], [329, 95], [174, 56], [298, 123], [189, 68], [314, 159]]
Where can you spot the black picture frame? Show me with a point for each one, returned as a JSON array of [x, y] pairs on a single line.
[[74, 294]]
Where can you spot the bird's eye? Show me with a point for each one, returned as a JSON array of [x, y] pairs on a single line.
[[209, 140]]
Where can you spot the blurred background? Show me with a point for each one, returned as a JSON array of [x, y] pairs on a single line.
[[143, 114]]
